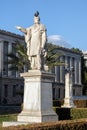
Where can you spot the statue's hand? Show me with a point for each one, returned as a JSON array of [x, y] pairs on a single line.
[[22, 29], [18, 27], [43, 52]]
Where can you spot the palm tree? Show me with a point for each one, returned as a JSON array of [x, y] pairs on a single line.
[[53, 55], [19, 61]]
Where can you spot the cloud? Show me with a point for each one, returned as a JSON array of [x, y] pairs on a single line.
[[58, 40]]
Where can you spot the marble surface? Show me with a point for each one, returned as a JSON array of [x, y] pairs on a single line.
[[37, 104]]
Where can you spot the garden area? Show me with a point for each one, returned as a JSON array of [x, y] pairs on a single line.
[[69, 119]]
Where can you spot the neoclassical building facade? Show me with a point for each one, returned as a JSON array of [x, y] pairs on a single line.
[[11, 82], [72, 60]]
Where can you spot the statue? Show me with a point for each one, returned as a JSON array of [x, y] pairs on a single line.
[[35, 37]]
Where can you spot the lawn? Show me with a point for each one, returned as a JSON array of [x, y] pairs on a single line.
[[8, 117], [80, 123]]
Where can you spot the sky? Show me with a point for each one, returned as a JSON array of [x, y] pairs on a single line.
[[65, 20]]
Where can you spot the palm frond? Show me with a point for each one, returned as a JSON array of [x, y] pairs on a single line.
[[20, 59], [53, 55]]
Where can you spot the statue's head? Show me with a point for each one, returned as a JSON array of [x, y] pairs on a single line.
[[36, 17]]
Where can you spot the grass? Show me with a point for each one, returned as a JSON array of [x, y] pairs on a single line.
[[7, 117], [13, 117]]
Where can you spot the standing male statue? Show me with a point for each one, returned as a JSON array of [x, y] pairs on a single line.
[[35, 37]]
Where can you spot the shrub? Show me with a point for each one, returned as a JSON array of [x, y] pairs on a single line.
[[71, 113], [78, 103], [57, 103], [63, 113], [77, 113], [59, 125]]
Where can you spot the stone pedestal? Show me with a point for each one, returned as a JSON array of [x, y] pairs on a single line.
[[68, 100], [37, 105]]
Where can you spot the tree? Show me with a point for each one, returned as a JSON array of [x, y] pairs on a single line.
[[18, 61], [76, 50], [84, 75], [53, 54]]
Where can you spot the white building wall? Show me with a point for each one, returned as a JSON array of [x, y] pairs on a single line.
[[71, 60], [10, 80]]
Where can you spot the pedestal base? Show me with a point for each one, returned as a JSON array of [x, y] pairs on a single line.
[[68, 103], [37, 117], [25, 118], [16, 123]]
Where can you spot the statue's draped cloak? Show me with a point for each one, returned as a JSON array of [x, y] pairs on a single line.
[[35, 39]]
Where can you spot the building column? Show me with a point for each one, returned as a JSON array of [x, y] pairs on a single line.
[[61, 71], [79, 72], [72, 67], [66, 64], [56, 74], [1, 57], [71, 62], [75, 71], [1, 69]]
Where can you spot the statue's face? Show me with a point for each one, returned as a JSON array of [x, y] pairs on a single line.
[[36, 19]]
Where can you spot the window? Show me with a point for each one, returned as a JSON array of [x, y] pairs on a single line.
[[22, 87], [73, 92], [5, 58], [68, 61], [5, 90], [53, 93], [73, 74], [13, 48], [14, 90], [13, 52], [58, 92]]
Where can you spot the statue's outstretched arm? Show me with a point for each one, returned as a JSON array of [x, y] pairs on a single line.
[[22, 29]]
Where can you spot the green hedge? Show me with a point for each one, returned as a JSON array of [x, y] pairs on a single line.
[[59, 125], [71, 113], [77, 113], [63, 113], [78, 103], [58, 103]]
